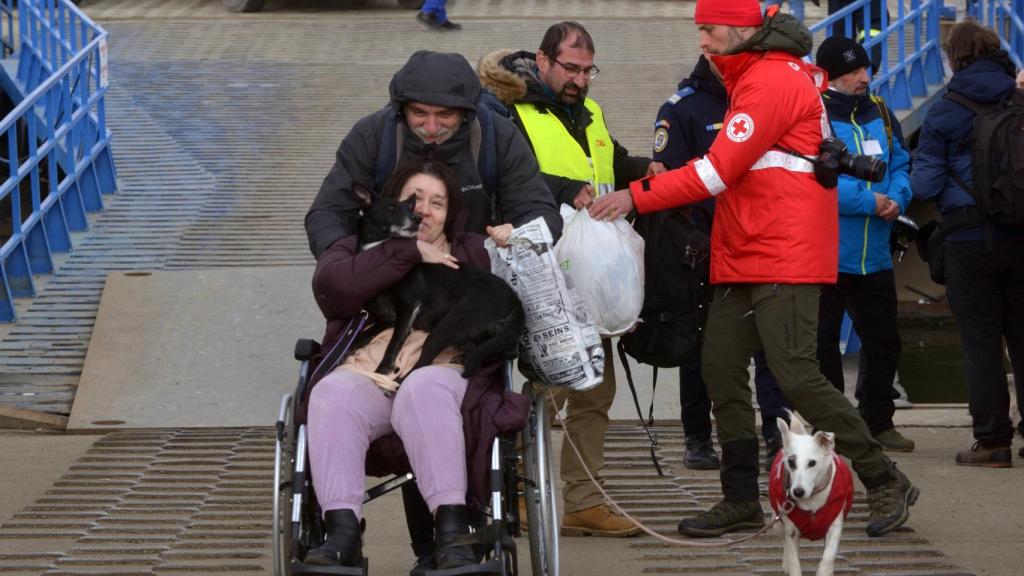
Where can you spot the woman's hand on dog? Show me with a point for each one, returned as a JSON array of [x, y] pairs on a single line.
[[431, 254]]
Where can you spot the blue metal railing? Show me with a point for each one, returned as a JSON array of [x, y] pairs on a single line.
[[917, 61], [57, 163]]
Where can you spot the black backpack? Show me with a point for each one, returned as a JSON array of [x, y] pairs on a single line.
[[997, 158], [676, 288], [481, 140]]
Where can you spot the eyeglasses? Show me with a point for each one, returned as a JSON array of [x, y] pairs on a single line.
[[590, 72]]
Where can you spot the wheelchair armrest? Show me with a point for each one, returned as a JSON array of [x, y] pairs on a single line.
[[305, 349]]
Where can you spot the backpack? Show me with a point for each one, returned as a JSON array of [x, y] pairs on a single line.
[[481, 141], [676, 288], [997, 158]]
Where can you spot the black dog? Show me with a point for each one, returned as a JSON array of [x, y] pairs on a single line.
[[469, 308]]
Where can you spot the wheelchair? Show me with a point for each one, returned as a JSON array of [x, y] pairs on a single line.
[[297, 520]]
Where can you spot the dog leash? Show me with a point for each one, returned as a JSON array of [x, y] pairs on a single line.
[[787, 506]]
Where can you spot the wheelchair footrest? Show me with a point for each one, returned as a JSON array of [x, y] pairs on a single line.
[[492, 566], [297, 568]]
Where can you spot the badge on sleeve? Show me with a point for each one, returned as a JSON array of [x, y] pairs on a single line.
[[660, 139], [740, 128]]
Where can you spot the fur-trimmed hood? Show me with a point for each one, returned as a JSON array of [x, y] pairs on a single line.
[[512, 77]]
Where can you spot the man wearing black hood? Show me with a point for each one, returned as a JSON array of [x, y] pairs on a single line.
[[580, 161], [434, 99], [687, 124]]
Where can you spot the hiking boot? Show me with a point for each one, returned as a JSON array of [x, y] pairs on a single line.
[[890, 503], [771, 448], [430, 21], [700, 455], [892, 441], [600, 520], [723, 517], [987, 456]]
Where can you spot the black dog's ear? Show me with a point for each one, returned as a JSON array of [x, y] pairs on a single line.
[[411, 202], [364, 194]]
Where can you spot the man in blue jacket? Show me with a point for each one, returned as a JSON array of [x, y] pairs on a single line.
[[984, 276], [866, 287], [687, 124]]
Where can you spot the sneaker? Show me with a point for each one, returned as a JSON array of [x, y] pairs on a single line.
[[892, 441], [890, 503], [700, 455], [723, 517], [430, 21], [600, 520], [771, 448], [987, 456], [903, 401]]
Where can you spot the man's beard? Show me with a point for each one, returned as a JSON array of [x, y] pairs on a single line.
[[565, 98], [441, 135]]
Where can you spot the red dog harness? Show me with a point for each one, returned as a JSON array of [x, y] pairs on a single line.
[[813, 525]]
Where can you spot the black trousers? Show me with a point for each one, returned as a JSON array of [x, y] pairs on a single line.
[[870, 301], [696, 406], [985, 289]]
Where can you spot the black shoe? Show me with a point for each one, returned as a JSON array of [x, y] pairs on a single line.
[[771, 448], [723, 517], [890, 503], [700, 455], [344, 543], [423, 565], [430, 21], [987, 456], [454, 545]]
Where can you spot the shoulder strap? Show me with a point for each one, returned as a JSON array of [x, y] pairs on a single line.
[[883, 111], [389, 150], [485, 151], [636, 402], [964, 101]]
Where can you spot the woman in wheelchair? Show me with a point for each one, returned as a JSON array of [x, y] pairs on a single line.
[[444, 421]]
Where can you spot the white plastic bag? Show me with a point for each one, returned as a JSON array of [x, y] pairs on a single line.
[[560, 342], [605, 259]]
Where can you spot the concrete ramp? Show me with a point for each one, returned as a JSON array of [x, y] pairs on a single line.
[[195, 348]]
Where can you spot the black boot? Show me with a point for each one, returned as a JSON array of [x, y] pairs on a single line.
[[453, 546], [344, 543]]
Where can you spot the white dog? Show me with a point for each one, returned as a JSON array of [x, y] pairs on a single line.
[[813, 487]]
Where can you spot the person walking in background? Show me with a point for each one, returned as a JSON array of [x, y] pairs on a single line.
[[687, 124], [866, 288], [984, 266], [434, 16]]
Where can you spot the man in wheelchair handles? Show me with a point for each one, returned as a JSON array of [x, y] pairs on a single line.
[[445, 422]]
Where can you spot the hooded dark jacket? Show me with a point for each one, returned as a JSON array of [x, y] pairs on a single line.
[[512, 76], [343, 282], [439, 79], [943, 143]]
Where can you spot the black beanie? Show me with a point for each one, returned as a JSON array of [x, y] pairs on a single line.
[[840, 55]]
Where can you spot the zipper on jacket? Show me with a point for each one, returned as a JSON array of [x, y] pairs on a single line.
[[858, 137]]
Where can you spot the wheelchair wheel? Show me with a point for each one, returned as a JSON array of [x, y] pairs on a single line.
[[284, 460], [539, 488]]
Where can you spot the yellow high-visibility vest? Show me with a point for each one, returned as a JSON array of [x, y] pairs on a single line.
[[559, 154]]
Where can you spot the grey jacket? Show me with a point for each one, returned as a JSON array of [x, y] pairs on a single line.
[[439, 79]]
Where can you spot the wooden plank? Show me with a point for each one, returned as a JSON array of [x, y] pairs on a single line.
[[12, 417]]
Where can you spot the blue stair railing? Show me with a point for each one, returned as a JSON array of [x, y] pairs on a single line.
[[917, 61], [57, 160]]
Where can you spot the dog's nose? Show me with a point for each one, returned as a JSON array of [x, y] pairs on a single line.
[[798, 492]]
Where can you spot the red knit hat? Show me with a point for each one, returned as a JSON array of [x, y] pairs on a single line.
[[728, 12]]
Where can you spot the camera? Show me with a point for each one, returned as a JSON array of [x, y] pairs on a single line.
[[834, 159]]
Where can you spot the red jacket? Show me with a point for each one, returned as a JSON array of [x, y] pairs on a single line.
[[814, 525], [773, 221]]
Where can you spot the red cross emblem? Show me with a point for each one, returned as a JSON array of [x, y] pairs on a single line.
[[741, 127]]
